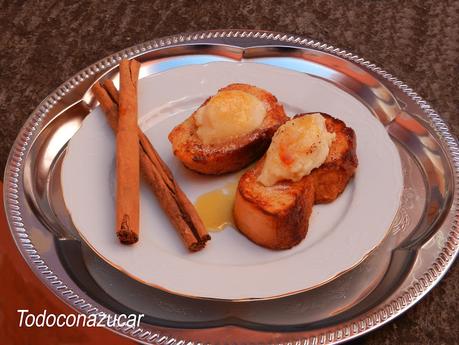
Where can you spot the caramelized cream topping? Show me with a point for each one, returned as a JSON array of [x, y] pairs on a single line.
[[299, 146], [227, 115]]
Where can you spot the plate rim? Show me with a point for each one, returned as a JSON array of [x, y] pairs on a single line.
[[239, 38], [67, 170]]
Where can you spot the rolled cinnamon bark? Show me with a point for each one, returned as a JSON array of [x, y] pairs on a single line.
[[159, 178], [127, 156]]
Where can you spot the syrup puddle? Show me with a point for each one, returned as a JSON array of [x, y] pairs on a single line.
[[216, 207]]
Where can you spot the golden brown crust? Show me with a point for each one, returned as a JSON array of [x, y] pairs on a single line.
[[277, 217], [332, 177], [274, 217], [232, 155]]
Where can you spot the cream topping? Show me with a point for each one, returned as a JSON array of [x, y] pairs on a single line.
[[227, 115], [298, 146]]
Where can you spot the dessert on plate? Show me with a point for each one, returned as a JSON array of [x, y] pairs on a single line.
[[229, 130], [311, 159]]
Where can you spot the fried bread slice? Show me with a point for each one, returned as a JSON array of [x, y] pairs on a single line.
[[235, 153], [277, 217]]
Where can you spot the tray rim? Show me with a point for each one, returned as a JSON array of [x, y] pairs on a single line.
[[346, 330]]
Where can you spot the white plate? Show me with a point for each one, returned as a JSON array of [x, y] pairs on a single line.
[[231, 267]]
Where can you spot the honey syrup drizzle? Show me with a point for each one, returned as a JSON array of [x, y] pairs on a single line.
[[216, 207]]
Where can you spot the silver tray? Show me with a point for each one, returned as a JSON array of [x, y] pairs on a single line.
[[420, 247]]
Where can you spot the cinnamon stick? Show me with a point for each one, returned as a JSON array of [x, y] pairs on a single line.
[[173, 200], [127, 153]]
